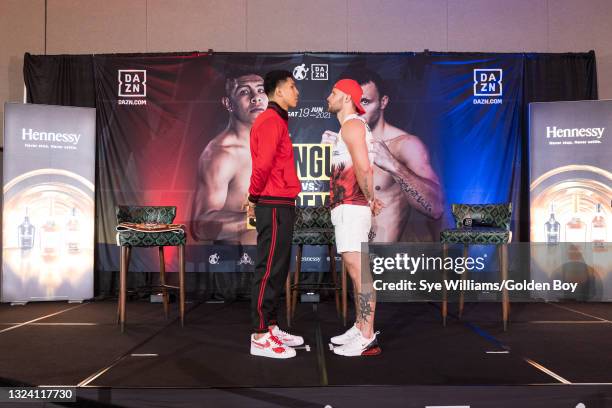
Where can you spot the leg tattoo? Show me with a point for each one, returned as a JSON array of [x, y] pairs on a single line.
[[365, 307]]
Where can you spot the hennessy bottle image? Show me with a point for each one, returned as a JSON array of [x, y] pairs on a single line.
[[552, 228], [575, 229], [50, 236], [73, 229], [598, 226], [26, 233]]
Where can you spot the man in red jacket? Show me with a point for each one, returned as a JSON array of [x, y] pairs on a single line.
[[274, 187]]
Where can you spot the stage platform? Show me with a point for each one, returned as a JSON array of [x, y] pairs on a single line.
[[553, 355]]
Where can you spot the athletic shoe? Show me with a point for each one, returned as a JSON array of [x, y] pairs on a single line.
[[270, 346], [347, 336], [288, 339], [359, 346]]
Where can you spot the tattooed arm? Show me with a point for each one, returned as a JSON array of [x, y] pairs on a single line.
[[407, 160]]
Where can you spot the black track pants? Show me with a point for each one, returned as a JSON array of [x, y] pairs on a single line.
[[274, 236]]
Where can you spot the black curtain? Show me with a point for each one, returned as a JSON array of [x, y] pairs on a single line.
[[550, 78], [60, 80]]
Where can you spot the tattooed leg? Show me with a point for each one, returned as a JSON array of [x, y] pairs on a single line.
[[366, 306], [365, 296]]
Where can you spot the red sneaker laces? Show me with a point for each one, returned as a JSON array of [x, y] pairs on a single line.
[[276, 340]]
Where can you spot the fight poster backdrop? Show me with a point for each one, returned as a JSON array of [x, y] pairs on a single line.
[[571, 193], [48, 215], [174, 130]]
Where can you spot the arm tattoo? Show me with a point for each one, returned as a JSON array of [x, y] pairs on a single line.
[[414, 193], [365, 307], [366, 193]]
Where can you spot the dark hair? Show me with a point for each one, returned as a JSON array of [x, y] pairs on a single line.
[[273, 79], [364, 75]]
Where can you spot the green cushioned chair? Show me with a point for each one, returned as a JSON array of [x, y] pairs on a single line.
[[130, 239], [480, 224], [313, 226]]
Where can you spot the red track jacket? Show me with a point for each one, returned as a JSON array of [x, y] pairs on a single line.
[[274, 181]]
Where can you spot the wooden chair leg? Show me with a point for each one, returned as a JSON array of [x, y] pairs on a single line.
[[344, 295], [332, 267], [296, 280], [288, 298], [162, 278], [181, 260], [119, 293], [503, 267], [444, 292], [121, 263], [125, 262], [124, 257], [463, 277]]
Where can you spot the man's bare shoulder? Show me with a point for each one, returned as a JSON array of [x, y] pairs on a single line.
[[399, 138], [223, 145], [219, 160], [353, 122], [352, 126]]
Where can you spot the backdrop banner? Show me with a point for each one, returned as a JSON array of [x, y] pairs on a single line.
[[174, 130], [48, 216], [571, 193]]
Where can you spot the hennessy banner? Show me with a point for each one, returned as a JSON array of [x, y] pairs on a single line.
[[174, 130], [571, 192], [48, 216]]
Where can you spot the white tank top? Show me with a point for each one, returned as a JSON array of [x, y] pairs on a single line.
[[344, 188], [340, 153]]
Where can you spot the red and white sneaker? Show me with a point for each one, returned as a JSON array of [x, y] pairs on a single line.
[[288, 339], [346, 337], [270, 346], [359, 346]]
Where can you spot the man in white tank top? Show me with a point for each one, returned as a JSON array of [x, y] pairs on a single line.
[[353, 204]]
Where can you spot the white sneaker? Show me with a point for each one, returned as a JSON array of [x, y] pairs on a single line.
[[288, 339], [347, 336], [359, 346], [270, 346]]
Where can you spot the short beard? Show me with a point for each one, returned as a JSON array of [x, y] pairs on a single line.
[[331, 109]]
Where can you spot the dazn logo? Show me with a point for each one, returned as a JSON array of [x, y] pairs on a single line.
[[488, 82], [132, 83]]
